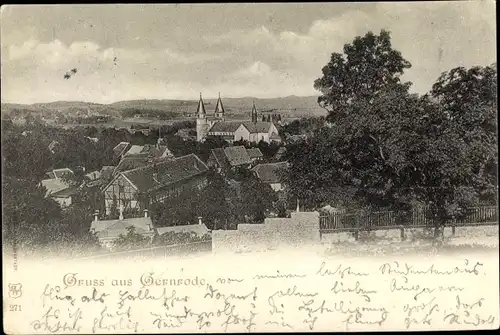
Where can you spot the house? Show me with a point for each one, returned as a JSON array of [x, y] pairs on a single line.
[[135, 189], [216, 125], [255, 154], [270, 174], [157, 151], [59, 190], [142, 155], [107, 231], [223, 159]]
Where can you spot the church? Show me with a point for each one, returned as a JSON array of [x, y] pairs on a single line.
[[216, 125]]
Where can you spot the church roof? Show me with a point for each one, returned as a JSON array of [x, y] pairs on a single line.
[[201, 107], [219, 108], [258, 127], [225, 127]]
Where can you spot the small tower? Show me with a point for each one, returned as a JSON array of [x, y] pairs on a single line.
[[219, 109], [201, 121], [254, 113]]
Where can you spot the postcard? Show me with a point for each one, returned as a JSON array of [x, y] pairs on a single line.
[[257, 167]]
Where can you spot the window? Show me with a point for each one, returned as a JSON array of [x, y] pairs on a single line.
[[121, 188]]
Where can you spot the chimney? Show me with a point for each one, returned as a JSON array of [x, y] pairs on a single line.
[[145, 213], [199, 220], [121, 212], [96, 216]]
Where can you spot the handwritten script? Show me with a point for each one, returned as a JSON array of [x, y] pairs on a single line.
[[327, 296]]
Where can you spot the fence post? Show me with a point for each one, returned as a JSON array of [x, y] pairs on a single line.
[[453, 224], [402, 231]]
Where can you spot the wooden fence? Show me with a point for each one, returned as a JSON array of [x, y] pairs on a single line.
[[387, 219]]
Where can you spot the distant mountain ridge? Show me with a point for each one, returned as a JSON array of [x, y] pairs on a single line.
[[307, 104]]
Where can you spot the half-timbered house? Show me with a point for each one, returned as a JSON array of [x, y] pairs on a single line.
[[136, 189]]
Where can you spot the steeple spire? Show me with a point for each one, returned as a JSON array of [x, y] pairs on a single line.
[[219, 108], [254, 113], [201, 108]]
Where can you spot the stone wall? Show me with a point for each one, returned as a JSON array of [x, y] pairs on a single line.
[[300, 228]]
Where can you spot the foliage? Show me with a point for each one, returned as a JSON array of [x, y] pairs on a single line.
[[131, 240], [268, 149], [384, 147], [171, 238], [369, 64], [303, 126]]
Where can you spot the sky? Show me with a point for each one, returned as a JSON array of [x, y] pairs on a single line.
[[125, 52]]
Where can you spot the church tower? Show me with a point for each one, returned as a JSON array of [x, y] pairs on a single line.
[[201, 121], [254, 113], [219, 109]]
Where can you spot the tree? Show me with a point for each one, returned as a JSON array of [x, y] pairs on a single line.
[[255, 200], [131, 240], [387, 148], [171, 238], [368, 65], [469, 100]]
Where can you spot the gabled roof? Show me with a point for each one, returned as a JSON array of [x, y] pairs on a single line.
[[197, 229], [220, 156], [269, 173], [131, 162], [225, 127], [134, 149], [237, 155], [254, 153], [258, 127], [167, 172], [114, 228], [149, 150]]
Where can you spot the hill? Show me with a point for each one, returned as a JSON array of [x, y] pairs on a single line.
[[291, 106]]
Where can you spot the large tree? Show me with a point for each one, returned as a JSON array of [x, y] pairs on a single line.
[[368, 65], [384, 147]]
